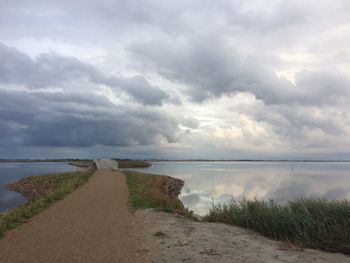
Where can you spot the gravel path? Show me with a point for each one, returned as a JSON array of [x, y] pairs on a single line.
[[92, 224]]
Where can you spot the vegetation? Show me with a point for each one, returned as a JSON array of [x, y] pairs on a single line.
[[305, 222], [42, 191], [81, 163], [42, 160], [126, 163], [147, 191], [133, 164]]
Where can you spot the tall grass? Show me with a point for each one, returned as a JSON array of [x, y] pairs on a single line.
[[59, 185], [305, 222]]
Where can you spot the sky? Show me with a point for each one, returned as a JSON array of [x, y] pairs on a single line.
[[201, 79]]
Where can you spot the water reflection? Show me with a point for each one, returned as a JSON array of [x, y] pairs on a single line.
[[9, 197], [11, 172], [281, 181]]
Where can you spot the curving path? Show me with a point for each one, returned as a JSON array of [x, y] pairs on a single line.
[[92, 224]]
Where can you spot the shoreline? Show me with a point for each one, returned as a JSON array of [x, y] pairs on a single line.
[[296, 222], [179, 236]]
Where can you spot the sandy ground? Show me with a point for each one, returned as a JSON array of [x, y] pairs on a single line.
[[188, 241], [92, 224]]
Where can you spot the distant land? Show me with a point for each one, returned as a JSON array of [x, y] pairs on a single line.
[[42, 160], [173, 160]]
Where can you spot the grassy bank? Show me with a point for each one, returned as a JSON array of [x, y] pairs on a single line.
[[41, 191], [43, 160], [307, 223], [133, 164], [82, 163], [150, 191]]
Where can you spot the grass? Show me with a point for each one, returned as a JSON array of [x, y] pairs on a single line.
[[305, 222], [147, 191], [47, 189], [133, 164], [81, 163]]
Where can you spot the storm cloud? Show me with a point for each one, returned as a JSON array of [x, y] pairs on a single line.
[[52, 70], [59, 119], [195, 79], [210, 68]]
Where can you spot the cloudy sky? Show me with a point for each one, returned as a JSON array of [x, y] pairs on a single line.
[[175, 79]]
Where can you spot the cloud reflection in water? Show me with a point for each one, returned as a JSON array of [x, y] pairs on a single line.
[[222, 181]]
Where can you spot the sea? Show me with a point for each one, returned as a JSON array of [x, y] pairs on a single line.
[[208, 183]]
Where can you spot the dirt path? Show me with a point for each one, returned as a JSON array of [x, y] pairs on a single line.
[[92, 224]]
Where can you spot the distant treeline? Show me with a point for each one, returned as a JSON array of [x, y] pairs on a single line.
[[243, 160], [122, 163], [170, 160]]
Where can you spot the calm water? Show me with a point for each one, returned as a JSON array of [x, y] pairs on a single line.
[[11, 172], [282, 181]]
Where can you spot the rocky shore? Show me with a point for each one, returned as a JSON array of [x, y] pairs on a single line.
[[172, 187], [31, 188]]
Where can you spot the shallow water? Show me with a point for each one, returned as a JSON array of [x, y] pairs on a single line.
[[206, 182], [11, 172]]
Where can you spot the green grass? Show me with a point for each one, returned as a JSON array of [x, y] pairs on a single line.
[[146, 191], [306, 222], [56, 185], [133, 164]]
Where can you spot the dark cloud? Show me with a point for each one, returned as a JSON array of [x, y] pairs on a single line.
[[54, 70], [140, 89], [14, 65], [59, 119], [207, 69], [75, 19], [190, 122], [48, 69], [210, 68]]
